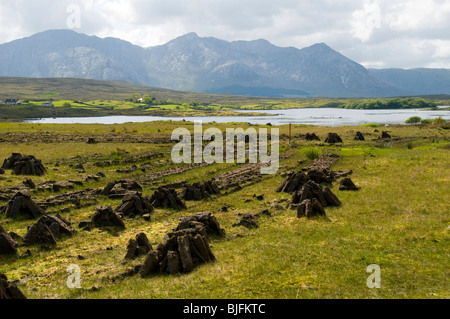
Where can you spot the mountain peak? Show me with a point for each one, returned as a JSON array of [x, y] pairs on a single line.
[[193, 63], [188, 36]]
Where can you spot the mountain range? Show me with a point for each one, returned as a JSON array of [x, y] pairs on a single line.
[[206, 64]]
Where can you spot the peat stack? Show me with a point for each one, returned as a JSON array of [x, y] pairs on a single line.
[[205, 223], [313, 190], [322, 175], [384, 135], [134, 204], [47, 230], [24, 165], [138, 246], [105, 216], [310, 208], [167, 198], [311, 137], [21, 204], [180, 252], [118, 189], [346, 184], [9, 290], [293, 182], [199, 190], [7, 245], [359, 137], [333, 138], [9, 162]]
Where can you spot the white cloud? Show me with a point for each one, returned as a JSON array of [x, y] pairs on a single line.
[[399, 33]]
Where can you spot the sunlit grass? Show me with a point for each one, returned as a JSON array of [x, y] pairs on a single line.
[[398, 220]]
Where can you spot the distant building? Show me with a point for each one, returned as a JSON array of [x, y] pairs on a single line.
[[48, 104], [2, 102], [13, 102]]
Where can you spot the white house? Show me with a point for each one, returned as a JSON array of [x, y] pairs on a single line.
[[13, 102]]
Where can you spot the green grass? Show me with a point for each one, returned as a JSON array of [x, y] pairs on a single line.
[[398, 220]]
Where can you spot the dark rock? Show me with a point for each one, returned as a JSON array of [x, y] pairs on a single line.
[[9, 290], [346, 184], [313, 190], [29, 183], [333, 138], [167, 198], [85, 223], [385, 135], [207, 220], [311, 137], [199, 190], [247, 220], [119, 189], [265, 212], [143, 242], [105, 216], [39, 233], [180, 251], [24, 165], [134, 204], [57, 225], [91, 140], [293, 182], [185, 253], [310, 208], [131, 249], [321, 175], [138, 247], [150, 265], [9, 162], [359, 137], [259, 197], [173, 262], [203, 248], [7, 245], [21, 204]]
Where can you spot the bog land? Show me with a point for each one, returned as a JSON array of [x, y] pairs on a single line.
[[284, 235]]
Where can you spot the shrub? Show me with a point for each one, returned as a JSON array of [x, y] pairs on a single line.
[[438, 121], [413, 120], [312, 153]]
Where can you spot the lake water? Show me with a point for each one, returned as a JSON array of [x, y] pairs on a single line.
[[312, 116]]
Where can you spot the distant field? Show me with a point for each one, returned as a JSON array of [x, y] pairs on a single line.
[[111, 94]]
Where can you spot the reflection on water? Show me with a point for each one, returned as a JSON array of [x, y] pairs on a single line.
[[312, 116]]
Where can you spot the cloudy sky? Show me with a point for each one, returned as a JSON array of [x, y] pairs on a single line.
[[375, 33]]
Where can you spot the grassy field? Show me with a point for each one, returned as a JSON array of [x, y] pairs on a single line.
[[399, 219]]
